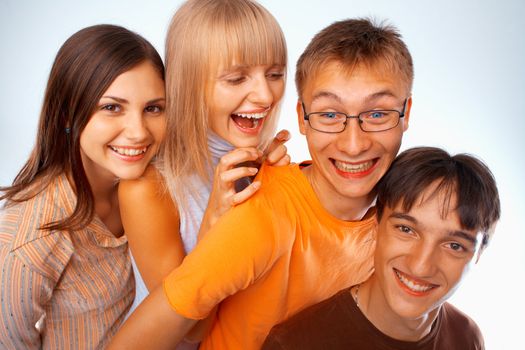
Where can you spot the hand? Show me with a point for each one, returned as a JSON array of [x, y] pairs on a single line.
[[234, 165], [276, 153]]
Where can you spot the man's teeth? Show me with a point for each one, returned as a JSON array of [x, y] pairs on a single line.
[[252, 115], [416, 287], [129, 151], [353, 168]]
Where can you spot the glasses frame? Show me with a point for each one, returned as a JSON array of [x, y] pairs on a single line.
[[358, 117]]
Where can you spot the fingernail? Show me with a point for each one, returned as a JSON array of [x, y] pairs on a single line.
[[283, 135], [254, 170], [256, 184]]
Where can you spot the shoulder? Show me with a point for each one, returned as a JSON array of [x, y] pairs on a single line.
[[21, 221], [455, 321], [150, 183], [324, 313]]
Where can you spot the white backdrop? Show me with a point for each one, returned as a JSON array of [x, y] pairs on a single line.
[[469, 96]]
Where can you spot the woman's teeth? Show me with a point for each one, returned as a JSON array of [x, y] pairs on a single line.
[[252, 115], [249, 120], [129, 151]]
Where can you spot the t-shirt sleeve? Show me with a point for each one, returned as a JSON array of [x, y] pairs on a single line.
[[240, 248], [25, 291]]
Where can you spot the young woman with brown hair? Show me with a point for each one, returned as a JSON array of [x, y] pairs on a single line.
[[66, 279]]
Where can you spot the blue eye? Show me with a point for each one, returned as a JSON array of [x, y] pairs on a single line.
[[330, 115], [377, 114]]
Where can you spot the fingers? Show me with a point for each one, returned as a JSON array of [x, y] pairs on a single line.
[[285, 160], [236, 173], [249, 191], [279, 139], [278, 156], [237, 156]]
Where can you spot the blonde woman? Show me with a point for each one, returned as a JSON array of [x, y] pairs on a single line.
[[225, 77]]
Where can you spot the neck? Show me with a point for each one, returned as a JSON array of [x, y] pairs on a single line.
[[374, 306], [104, 188], [343, 208]]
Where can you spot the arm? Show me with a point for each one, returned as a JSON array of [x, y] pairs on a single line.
[[24, 294], [239, 249], [151, 224], [230, 168], [153, 325]]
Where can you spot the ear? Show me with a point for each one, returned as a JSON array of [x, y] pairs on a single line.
[[300, 117], [408, 108]]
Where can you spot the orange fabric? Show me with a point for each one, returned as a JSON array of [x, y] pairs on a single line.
[[78, 284], [269, 258]]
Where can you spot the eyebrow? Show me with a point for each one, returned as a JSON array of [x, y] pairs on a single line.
[[454, 233], [124, 101], [370, 98]]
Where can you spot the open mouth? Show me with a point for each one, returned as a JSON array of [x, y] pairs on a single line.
[[129, 152], [249, 121], [416, 287], [354, 169]]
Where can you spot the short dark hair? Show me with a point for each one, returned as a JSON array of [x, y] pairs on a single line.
[[84, 68], [414, 170], [353, 42]]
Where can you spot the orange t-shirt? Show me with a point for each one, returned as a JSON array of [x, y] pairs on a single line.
[[269, 258]]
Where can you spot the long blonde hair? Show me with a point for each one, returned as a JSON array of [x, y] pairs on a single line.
[[204, 34]]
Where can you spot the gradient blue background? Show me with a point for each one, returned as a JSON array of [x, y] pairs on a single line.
[[468, 94]]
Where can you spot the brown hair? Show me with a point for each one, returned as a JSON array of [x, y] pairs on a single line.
[[416, 169], [355, 42], [84, 68], [203, 35]]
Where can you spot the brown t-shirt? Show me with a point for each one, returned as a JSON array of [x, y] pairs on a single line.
[[337, 323]]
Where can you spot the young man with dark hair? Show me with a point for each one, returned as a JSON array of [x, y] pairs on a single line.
[[309, 231], [436, 214]]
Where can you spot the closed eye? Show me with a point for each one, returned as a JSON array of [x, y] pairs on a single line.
[[236, 80]]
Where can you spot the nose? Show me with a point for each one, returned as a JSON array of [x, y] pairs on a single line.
[[135, 127], [353, 141], [422, 260], [260, 93]]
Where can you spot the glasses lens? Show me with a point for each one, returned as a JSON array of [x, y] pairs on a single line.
[[379, 120], [328, 121]]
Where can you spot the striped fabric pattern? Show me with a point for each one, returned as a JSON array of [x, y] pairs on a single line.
[[60, 290]]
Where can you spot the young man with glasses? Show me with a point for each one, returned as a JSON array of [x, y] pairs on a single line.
[[436, 214], [310, 230]]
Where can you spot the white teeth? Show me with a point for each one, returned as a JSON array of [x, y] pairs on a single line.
[[416, 287], [129, 151], [252, 115], [353, 168]]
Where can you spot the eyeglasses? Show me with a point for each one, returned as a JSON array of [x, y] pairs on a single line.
[[369, 121]]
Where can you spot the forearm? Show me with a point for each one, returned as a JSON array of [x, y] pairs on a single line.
[[154, 325]]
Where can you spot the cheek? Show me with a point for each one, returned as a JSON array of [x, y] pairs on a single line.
[[277, 90]]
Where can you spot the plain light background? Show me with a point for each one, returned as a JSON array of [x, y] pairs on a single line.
[[468, 96]]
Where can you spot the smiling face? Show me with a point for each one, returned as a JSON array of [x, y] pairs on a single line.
[[421, 257], [125, 131], [347, 165], [242, 100]]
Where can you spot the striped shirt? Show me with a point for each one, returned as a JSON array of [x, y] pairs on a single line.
[[60, 289]]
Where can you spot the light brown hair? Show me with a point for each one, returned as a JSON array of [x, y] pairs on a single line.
[[84, 68], [355, 42], [203, 35]]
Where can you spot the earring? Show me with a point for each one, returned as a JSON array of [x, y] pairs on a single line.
[[68, 130]]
